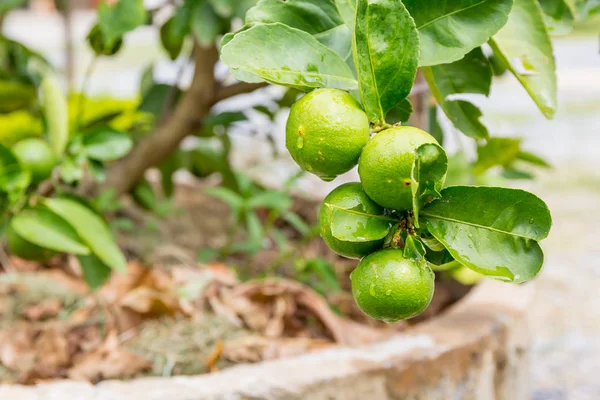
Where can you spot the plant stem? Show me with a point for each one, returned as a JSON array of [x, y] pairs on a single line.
[[84, 84]]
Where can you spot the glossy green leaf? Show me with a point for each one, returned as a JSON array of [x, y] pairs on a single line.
[[497, 151], [401, 112], [174, 31], [558, 16], [493, 231], [106, 144], [95, 272], [524, 46], [286, 56], [42, 227], [414, 249], [428, 175], [356, 226], [451, 29], [91, 228], [471, 74], [205, 24], [386, 59], [317, 17], [312, 16], [56, 115], [347, 9], [116, 20]]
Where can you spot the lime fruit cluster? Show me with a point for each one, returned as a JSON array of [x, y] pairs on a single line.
[[328, 134]]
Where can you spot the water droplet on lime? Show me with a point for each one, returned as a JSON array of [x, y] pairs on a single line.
[[300, 143], [470, 246], [388, 292], [372, 289], [412, 142], [531, 221]]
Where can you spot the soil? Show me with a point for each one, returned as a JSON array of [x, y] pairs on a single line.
[[180, 317]]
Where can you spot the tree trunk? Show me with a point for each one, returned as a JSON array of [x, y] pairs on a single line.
[[185, 119]]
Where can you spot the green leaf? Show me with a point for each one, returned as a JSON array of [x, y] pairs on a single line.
[[174, 31], [56, 115], [91, 228], [286, 56], [155, 98], [451, 29], [97, 170], [14, 180], [435, 129], [414, 249], [271, 199], [42, 227], [532, 159], [233, 200], [401, 112], [117, 20], [205, 24], [95, 272], [493, 231], [297, 222], [466, 118], [428, 175], [312, 16], [497, 151], [558, 16], [347, 9], [524, 46], [143, 194], [224, 8], [356, 226], [15, 96], [385, 76], [513, 173], [8, 5], [471, 74], [106, 144], [225, 118]]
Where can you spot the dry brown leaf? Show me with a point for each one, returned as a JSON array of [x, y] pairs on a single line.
[[44, 310], [52, 349], [214, 356], [150, 302], [110, 361], [257, 300], [258, 348], [16, 348]]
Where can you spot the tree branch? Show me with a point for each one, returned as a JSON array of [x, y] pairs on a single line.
[[225, 92], [185, 119]]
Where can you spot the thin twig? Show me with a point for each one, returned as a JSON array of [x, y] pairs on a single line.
[[84, 84]]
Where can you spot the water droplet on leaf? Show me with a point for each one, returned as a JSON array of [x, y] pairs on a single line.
[[372, 289], [300, 143]]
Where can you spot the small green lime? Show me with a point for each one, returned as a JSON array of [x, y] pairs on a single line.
[[389, 287], [348, 196], [385, 165], [24, 249], [326, 132], [36, 156]]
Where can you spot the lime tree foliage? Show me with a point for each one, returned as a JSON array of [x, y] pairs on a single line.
[[358, 59], [401, 220]]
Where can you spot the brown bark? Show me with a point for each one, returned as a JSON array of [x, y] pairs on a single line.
[[184, 120]]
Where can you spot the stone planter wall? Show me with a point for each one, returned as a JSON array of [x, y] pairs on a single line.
[[477, 350]]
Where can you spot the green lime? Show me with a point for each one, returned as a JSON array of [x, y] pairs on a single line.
[[36, 156], [326, 132], [348, 196], [385, 165], [24, 249], [389, 287]]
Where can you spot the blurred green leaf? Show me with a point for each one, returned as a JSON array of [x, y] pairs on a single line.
[[497, 151], [224, 8], [435, 129], [106, 144], [205, 24], [271, 199], [118, 19], [532, 159], [234, 200], [42, 227], [297, 222], [91, 228], [155, 98], [56, 115], [7, 5], [225, 118], [95, 272], [558, 16]]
